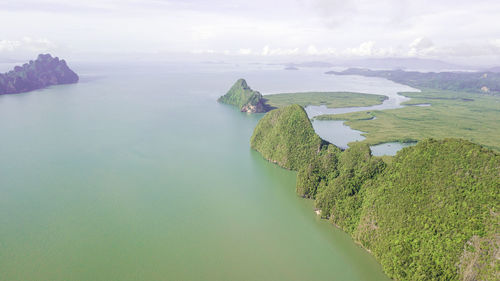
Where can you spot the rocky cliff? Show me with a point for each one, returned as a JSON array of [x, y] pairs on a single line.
[[40, 73]]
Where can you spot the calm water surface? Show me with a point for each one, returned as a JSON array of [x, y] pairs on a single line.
[[389, 148], [338, 133], [136, 173]]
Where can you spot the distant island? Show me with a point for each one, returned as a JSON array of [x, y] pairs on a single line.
[[428, 213], [474, 82], [246, 99], [40, 73], [291, 67]]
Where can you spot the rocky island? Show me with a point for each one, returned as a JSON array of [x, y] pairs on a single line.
[[246, 99], [429, 213], [40, 73]]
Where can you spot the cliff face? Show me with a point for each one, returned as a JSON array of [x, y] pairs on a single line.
[[242, 96], [40, 73]]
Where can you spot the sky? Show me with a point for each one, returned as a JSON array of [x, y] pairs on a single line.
[[295, 30]]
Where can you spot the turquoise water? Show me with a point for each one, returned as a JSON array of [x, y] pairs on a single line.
[[136, 173]]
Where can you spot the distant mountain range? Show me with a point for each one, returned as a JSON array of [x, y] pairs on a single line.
[[387, 63], [476, 82], [494, 69]]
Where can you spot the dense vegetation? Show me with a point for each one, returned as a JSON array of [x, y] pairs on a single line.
[[475, 82], [329, 99], [431, 213], [42, 72], [451, 114], [286, 137], [419, 215], [246, 99]]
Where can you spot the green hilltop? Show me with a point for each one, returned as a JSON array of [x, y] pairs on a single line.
[[430, 213], [246, 99], [286, 137]]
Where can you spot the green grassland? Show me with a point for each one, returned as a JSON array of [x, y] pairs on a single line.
[[473, 117], [330, 99]]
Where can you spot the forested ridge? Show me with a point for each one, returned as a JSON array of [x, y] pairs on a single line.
[[430, 213]]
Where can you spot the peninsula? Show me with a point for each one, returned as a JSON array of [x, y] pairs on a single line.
[[428, 213], [40, 73], [248, 100]]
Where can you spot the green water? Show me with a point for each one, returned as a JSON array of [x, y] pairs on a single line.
[[136, 173]]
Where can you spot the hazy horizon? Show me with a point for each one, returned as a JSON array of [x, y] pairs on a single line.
[[459, 32]]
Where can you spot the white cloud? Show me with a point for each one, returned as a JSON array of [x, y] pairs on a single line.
[[496, 43], [312, 50], [421, 43], [326, 28], [281, 52], [286, 52], [203, 32], [9, 45], [364, 49], [421, 46], [265, 51], [27, 44], [203, 51], [247, 51]]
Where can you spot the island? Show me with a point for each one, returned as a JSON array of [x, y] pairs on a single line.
[[40, 73], [428, 213], [246, 99]]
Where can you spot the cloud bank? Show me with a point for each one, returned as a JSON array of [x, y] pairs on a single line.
[[456, 30]]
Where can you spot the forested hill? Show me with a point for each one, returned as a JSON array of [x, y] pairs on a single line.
[[246, 99], [431, 213], [475, 82], [286, 136], [40, 73]]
